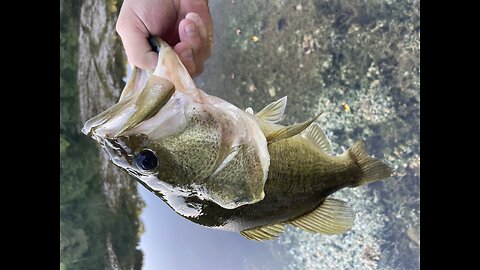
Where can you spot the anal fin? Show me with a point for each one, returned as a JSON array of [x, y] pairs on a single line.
[[267, 232], [331, 217]]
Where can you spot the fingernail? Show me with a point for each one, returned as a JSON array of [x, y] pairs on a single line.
[[190, 28], [193, 16]]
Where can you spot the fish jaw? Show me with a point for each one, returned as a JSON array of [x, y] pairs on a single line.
[[171, 68], [144, 95], [134, 108]]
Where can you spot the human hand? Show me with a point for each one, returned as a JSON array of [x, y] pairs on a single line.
[[184, 24]]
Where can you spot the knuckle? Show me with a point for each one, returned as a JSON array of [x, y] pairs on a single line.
[[120, 26]]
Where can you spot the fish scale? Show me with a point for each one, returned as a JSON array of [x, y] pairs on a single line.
[[200, 143]]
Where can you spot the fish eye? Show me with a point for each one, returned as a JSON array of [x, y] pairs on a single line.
[[146, 160]]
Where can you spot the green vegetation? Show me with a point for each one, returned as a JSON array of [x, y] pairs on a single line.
[[86, 220]]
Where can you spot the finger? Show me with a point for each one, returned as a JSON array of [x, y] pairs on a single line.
[[138, 50], [189, 33], [202, 29], [201, 8], [185, 52]]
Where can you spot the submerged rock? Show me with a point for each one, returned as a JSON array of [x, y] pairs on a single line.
[[364, 54]]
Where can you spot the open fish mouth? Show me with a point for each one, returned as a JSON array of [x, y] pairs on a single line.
[[143, 96]]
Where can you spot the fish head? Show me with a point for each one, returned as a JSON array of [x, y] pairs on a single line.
[[180, 142]]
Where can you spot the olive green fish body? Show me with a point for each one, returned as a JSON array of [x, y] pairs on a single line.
[[300, 177], [226, 168]]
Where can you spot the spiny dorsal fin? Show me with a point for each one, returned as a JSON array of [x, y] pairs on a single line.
[[267, 232], [316, 135], [289, 131], [273, 112], [331, 217], [372, 168]]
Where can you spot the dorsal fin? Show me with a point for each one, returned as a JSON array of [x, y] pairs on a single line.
[[289, 131], [273, 112], [331, 217], [267, 232], [316, 135]]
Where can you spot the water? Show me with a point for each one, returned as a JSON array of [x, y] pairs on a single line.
[[323, 55]]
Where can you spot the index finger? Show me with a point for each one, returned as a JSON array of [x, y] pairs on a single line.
[[138, 50]]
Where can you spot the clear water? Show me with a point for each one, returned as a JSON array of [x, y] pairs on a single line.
[[322, 55]]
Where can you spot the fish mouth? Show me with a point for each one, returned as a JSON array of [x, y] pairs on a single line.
[[144, 95], [132, 110]]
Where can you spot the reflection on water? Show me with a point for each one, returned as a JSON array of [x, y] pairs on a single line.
[[357, 61]]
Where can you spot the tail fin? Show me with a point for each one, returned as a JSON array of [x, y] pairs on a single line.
[[372, 168]]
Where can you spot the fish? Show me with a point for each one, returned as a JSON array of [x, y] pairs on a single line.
[[227, 168]]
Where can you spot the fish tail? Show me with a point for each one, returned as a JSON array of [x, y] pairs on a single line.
[[372, 169]]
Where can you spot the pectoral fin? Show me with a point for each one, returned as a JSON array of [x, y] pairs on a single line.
[[267, 232], [273, 112], [315, 134], [154, 96], [331, 217], [289, 131]]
